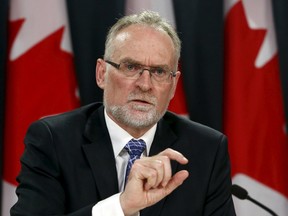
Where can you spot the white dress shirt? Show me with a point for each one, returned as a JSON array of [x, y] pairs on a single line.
[[119, 138]]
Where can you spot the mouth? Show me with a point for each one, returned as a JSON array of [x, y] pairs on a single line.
[[142, 100], [142, 104]]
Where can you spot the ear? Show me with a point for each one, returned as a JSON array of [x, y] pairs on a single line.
[[175, 82], [100, 73]]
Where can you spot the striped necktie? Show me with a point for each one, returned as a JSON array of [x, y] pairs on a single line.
[[134, 148]]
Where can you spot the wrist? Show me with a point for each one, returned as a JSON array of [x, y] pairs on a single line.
[[128, 209]]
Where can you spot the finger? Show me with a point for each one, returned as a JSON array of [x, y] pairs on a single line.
[[176, 181], [163, 167], [174, 155], [151, 180], [167, 170], [147, 173], [165, 156], [154, 176]]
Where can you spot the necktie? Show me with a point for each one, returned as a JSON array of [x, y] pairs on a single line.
[[134, 148]]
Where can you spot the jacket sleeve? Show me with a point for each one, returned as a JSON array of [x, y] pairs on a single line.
[[40, 191], [219, 199]]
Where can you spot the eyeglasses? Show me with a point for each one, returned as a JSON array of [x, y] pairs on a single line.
[[134, 71]]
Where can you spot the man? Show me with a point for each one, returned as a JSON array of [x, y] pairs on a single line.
[[76, 163]]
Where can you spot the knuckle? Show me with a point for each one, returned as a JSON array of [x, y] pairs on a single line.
[[152, 174], [158, 163], [165, 159], [168, 150], [137, 163]]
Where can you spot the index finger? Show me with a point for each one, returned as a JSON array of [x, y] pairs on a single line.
[[174, 155]]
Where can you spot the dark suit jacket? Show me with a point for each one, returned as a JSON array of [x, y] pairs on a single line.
[[68, 165]]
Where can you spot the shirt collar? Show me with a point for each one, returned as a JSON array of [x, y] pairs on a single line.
[[119, 137]]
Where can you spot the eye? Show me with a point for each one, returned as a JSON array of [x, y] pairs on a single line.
[[132, 67], [160, 72]]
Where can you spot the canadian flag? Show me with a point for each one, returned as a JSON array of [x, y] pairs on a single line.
[[253, 107], [166, 10], [40, 78]]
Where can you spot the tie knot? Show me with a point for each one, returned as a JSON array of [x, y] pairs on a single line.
[[135, 147]]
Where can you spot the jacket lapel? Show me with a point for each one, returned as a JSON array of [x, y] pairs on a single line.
[[99, 153], [164, 138]]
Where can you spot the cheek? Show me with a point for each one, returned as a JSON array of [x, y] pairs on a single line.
[[164, 97], [116, 90]]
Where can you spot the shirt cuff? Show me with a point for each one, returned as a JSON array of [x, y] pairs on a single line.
[[108, 207]]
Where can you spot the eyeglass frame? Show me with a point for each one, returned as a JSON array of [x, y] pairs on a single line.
[[117, 66]]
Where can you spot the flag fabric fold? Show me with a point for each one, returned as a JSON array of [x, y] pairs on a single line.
[[254, 118], [40, 78]]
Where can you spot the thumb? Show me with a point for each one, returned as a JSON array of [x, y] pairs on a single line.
[[176, 181]]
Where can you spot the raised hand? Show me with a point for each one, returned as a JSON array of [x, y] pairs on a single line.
[[150, 180]]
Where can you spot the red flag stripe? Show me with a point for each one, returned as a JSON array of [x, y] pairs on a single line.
[[253, 110]]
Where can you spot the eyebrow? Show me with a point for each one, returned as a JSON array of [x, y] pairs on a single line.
[[130, 60]]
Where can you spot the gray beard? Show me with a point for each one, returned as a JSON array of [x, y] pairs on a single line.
[[148, 117], [124, 116]]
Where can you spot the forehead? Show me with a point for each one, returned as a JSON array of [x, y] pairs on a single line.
[[144, 44]]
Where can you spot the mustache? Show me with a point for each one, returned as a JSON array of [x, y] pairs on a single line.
[[151, 99]]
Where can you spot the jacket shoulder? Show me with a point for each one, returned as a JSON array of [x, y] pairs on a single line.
[[77, 115], [73, 120], [183, 126]]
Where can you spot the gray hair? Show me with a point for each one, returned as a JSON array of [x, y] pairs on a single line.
[[148, 18]]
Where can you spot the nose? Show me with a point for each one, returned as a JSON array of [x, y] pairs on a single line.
[[145, 69], [144, 80]]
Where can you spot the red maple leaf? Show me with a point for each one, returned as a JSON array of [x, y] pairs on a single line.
[[40, 82], [253, 106]]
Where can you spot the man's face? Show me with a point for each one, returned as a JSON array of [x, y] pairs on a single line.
[[137, 103]]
